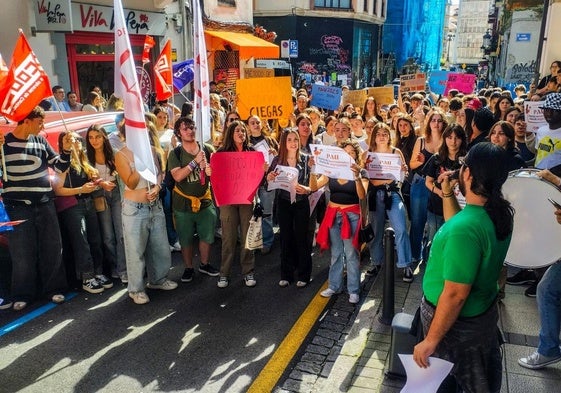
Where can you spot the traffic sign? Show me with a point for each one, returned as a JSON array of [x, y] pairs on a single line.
[[293, 49]]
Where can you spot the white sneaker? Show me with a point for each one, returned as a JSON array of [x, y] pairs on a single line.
[[139, 297], [250, 280], [301, 284], [167, 285], [283, 283], [354, 298], [175, 247], [327, 293], [222, 282]]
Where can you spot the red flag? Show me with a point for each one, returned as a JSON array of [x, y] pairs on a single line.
[[148, 44], [164, 74], [26, 83]]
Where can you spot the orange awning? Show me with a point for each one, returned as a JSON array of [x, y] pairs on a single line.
[[247, 44]]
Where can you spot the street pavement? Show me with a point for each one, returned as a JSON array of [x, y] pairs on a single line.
[[358, 359]]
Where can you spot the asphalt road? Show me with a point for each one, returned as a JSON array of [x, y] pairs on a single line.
[[197, 338]]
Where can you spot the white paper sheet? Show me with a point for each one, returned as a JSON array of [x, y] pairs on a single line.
[[332, 161], [424, 380], [286, 179]]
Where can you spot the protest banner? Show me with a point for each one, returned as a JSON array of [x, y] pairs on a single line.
[[326, 97], [533, 115], [413, 82], [258, 73], [383, 166], [437, 81], [464, 83], [268, 98], [236, 176], [332, 161], [382, 95], [354, 97]]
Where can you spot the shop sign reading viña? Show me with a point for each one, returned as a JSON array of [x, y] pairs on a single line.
[[62, 15]]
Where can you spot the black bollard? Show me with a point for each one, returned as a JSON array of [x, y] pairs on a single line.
[[388, 299]]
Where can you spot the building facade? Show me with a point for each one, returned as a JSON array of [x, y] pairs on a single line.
[[337, 41]]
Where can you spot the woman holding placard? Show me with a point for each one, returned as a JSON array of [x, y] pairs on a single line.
[[340, 227], [384, 196], [293, 212], [234, 216]]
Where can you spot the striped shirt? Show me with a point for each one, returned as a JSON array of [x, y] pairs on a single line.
[[27, 163]]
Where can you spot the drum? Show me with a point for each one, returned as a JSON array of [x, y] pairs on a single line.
[[536, 238]]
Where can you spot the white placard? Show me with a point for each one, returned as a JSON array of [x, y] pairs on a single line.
[[424, 380], [332, 161], [264, 148], [286, 179], [385, 166]]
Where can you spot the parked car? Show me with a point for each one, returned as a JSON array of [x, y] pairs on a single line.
[[71, 121]]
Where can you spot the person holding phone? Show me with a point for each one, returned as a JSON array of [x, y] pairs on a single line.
[[548, 295]]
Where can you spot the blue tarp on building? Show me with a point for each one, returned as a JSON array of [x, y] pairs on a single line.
[[414, 29]]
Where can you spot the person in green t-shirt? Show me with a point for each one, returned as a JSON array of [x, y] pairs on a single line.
[[459, 312]]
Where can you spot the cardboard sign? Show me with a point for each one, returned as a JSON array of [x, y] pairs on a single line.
[[236, 176], [464, 83], [413, 82], [268, 98], [437, 81], [382, 95], [326, 97], [258, 72], [355, 97]]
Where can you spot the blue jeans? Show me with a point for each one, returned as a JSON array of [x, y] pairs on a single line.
[[80, 227], [342, 251], [434, 222], [267, 198], [111, 226], [419, 199], [549, 307], [396, 216], [146, 245], [36, 251]]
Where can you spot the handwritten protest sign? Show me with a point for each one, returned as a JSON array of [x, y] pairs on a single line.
[[383, 166], [268, 98], [382, 95], [437, 81], [464, 83], [332, 161], [236, 176], [326, 97], [533, 115], [258, 72], [413, 82], [355, 97]]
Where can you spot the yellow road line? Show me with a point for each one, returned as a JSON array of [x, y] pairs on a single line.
[[269, 376]]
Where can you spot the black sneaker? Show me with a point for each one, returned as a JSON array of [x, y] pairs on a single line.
[[187, 275], [92, 286], [374, 271], [408, 274], [523, 277], [104, 281], [531, 290], [207, 268]]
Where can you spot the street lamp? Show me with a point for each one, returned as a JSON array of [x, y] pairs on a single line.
[[450, 38]]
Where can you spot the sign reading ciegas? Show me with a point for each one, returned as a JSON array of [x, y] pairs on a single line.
[[268, 98]]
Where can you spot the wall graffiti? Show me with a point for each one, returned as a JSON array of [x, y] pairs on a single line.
[[521, 72]]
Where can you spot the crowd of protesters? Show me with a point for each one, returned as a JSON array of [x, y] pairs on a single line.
[[122, 227]]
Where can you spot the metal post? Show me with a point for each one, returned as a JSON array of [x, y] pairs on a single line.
[[388, 299]]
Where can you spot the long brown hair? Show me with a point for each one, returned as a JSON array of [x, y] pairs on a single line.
[[228, 142], [283, 151], [107, 149], [380, 126], [428, 131]]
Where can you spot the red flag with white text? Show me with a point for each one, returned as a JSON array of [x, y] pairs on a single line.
[[148, 44], [25, 85], [127, 88], [164, 74]]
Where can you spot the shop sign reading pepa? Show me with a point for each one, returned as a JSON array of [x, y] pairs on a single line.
[[94, 18]]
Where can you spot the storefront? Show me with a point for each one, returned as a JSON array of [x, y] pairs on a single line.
[[84, 35]]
